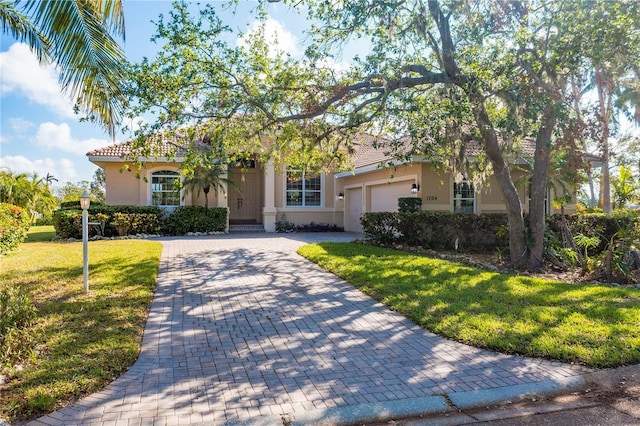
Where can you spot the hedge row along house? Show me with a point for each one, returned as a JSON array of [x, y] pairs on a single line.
[[262, 195]]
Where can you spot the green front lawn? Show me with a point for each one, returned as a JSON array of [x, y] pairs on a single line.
[[41, 233], [83, 341], [595, 325]]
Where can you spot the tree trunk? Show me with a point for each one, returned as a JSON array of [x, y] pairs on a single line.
[[542, 158], [520, 256], [604, 101], [206, 197]]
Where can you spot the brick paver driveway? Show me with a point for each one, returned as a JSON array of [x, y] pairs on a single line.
[[243, 330]]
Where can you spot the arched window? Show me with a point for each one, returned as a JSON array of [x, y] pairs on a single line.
[[165, 191]]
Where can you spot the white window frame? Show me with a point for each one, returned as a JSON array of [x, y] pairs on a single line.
[[303, 191], [164, 173], [458, 197], [547, 197]]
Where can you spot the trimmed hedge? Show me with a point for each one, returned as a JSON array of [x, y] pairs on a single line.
[[75, 204], [196, 219], [14, 224], [483, 232], [409, 204], [436, 230], [141, 220]]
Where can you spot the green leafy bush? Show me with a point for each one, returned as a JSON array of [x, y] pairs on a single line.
[[381, 227], [142, 220], [17, 314], [409, 204], [437, 230], [14, 224], [75, 204], [196, 219]]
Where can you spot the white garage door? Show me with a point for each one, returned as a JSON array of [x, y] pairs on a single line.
[[384, 198], [354, 205]]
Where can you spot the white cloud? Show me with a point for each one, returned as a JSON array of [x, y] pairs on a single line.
[[20, 125], [280, 39], [22, 74], [62, 169], [332, 64], [58, 137]]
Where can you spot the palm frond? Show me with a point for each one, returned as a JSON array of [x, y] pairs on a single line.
[[22, 29], [90, 62]]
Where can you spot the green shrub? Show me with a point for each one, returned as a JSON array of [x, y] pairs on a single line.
[[68, 223], [381, 227], [44, 221], [196, 219], [122, 223], [14, 224], [409, 204], [437, 230], [75, 204], [17, 314], [142, 220]]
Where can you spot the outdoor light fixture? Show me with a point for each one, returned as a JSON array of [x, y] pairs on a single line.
[[85, 201], [341, 196], [415, 188]]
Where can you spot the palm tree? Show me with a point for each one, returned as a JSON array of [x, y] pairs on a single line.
[[30, 192], [75, 35], [203, 179]]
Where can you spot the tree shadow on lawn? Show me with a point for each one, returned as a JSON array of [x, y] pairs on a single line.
[[231, 328], [85, 341], [590, 324]]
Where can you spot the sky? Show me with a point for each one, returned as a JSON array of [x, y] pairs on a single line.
[[39, 131]]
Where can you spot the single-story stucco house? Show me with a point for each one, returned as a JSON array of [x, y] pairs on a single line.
[[265, 195]]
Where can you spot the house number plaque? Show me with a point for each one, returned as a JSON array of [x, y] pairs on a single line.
[[431, 197]]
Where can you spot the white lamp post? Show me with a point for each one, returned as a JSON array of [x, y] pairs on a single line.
[[85, 200]]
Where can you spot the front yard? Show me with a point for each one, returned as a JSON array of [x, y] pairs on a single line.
[[594, 325], [83, 341]]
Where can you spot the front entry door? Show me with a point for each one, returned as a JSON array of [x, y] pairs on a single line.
[[245, 201]]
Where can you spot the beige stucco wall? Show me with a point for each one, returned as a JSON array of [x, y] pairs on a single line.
[[329, 212], [122, 187], [436, 188], [126, 184]]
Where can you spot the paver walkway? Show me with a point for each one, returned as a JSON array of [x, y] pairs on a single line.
[[242, 330]]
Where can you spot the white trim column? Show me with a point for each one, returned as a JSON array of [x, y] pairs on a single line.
[[223, 197], [269, 210]]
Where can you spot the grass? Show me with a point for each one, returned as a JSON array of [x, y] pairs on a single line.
[[40, 234], [594, 325], [84, 340]]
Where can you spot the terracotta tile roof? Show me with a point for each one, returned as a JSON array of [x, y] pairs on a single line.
[[120, 150], [123, 150], [368, 150]]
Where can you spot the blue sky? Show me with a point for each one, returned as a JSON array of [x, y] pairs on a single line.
[[38, 129]]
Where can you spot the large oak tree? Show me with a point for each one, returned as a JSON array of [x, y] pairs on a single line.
[[435, 77]]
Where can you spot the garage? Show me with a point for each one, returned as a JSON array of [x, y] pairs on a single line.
[[384, 198], [354, 210]]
